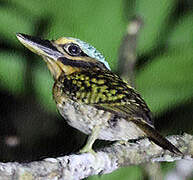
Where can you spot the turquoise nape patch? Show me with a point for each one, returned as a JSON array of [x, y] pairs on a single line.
[[91, 51]]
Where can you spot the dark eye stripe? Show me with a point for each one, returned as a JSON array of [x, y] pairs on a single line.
[[83, 54], [80, 63], [76, 63]]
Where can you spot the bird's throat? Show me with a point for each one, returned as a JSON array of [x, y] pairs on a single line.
[[57, 68]]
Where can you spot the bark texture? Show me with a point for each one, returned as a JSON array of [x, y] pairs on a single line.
[[106, 160]]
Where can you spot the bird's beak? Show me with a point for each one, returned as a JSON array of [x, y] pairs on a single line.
[[44, 48], [39, 46]]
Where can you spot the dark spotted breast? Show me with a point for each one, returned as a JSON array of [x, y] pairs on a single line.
[[105, 90]]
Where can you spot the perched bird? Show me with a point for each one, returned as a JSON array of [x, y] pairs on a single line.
[[91, 97]]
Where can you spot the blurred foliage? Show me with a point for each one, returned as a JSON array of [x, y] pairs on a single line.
[[164, 74], [133, 172]]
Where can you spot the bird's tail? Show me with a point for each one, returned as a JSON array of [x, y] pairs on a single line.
[[157, 138]]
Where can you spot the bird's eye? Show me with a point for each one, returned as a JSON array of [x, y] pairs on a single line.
[[74, 50]]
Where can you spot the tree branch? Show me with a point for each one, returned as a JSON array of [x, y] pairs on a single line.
[[75, 167], [127, 51]]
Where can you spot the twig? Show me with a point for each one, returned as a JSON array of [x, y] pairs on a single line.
[[127, 51], [75, 167]]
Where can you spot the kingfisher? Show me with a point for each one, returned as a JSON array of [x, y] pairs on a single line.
[[91, 97]]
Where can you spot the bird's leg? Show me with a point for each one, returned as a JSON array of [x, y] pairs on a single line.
[[91, 139]]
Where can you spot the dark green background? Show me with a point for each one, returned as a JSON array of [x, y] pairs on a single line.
[[164, 71]]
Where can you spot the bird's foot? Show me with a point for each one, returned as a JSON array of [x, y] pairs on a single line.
[[87, 149]]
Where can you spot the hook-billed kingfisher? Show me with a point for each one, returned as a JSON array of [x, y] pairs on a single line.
[[91, 97]]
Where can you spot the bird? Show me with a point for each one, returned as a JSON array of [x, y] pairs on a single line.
[[92, 98]]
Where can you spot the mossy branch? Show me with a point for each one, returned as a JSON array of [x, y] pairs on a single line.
[[79, 166]]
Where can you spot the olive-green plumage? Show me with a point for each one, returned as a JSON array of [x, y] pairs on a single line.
[[91, 97], [105, 90]]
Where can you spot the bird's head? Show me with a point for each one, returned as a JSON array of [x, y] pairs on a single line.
[[65, 55]]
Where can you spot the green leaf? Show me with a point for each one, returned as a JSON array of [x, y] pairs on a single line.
[[31, 8], [132, 172], [167, 167], [13, 22], [12, 68], [168, 80], [154, 14], [182, 31]]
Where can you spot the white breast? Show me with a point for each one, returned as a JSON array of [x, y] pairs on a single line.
[[84, 118]]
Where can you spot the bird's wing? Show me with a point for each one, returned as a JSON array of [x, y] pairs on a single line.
[[105, 90], [128, 110]]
